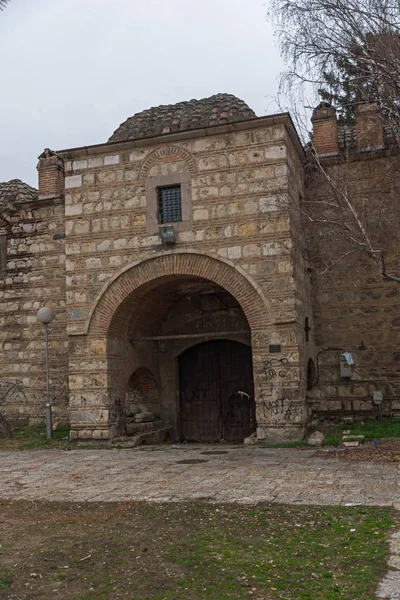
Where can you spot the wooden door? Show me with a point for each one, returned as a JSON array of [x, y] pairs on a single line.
[[216, 392]]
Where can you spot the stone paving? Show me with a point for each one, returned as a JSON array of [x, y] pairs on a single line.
[[175, 473], [389, 588]]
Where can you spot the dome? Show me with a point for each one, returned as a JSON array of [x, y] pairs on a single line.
[[193, 114], [16, 190]]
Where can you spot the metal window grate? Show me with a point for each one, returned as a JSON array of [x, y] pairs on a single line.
[[169, 204]]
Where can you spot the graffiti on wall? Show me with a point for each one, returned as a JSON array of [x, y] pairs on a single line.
[[15, 391], [12, 391], [276, 399], [274, 368]]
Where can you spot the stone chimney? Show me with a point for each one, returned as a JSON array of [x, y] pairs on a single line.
[[369, 127], [51, 174], [325, 130]]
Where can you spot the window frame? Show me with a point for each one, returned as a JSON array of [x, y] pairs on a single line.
[[161, 209], [152, 185]]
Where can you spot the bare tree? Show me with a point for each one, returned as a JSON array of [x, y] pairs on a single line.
[[318, 37], [353, 46], [351, 215], [3, 4]]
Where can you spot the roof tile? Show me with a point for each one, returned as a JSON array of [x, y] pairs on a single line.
[[194, 114]]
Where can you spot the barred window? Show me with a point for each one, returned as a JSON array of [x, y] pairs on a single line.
[[169, 204]]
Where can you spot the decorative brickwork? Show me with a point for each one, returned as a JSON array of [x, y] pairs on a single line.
[[168, 154], [170, 264]]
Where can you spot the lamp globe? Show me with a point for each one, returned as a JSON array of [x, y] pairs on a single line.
[[45, 315]]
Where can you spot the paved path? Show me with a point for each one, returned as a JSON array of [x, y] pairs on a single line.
[[239, 474]]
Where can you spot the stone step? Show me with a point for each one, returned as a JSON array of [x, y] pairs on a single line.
[[157, 436], [351, 444], [353, 438], [133, 428]]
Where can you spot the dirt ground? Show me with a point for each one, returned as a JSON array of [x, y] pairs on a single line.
[[383, 452], [190, 551]]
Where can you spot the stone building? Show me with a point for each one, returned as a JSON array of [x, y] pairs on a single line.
[[184, 307]]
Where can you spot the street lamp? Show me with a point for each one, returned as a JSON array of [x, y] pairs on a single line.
[[45, 316]]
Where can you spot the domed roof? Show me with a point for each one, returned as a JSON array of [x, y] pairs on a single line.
[[193, 114], [16, 190]]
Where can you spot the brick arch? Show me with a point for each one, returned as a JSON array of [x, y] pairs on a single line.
[[143, 380], [143, 276], [175, 152]]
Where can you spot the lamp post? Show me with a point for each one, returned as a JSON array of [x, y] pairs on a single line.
[[45, 316]]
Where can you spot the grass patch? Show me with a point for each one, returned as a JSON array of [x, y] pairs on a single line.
[[372, 430], [196, 551], [34, 438]]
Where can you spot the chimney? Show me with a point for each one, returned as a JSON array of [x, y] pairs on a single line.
[[51, 174], [325, 130], [369, 127]]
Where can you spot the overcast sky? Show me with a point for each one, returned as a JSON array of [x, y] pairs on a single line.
[[73, 70]]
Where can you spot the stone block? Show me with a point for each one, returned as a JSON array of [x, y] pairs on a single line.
[[316, 439], [81, 227], [269, 204], [251, 250], [77, 165], [234, 252], [145, 417], [200, 214], [394, 544], [93, 163], [111, 160], [72, 210], [84, 434], [209, 191], [251, 207], [275, 152], [138, 155], [275, 248], [73, 181], [233, 208], [246, 229], [394, 563], [88, 179]]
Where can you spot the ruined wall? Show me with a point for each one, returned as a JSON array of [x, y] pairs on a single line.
[[356, 310], [34, 276]]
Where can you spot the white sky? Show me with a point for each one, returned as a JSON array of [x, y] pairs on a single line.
[[73, 70]]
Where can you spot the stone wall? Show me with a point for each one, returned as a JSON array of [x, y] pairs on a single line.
[[356, 309], [234, 216], [87, 244], [34, 276]]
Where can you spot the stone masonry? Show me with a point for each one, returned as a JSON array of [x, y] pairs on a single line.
[[127, 305]]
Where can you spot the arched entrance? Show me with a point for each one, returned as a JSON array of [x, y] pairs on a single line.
[[216, 392], [151, 313]]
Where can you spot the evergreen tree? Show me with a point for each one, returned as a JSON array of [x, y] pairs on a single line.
[[344, 89], [355, 78]]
